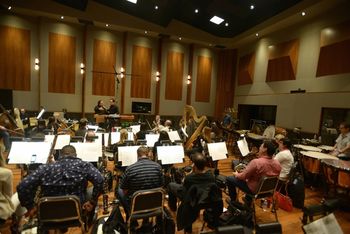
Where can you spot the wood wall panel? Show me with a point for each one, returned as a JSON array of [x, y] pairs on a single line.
[[203, 82], [283, 60], [334, 59], [335, 33], [103, 79], [62, 63], [227, 60], [141, 72], [174, 76], [14, 58], [246, 68]]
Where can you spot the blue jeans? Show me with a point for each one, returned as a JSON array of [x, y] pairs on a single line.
[[233, 183]]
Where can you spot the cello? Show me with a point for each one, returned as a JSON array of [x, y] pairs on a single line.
[[7, 121]]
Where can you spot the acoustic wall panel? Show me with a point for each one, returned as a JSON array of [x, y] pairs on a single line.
[[174, 76], [203, 82]]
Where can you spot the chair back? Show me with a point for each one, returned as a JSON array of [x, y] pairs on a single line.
[[59, 211], [147, 203], [267, 186]]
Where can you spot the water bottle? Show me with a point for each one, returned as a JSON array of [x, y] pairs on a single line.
[[264, 204]]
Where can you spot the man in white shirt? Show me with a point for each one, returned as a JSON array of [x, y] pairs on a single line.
[[342, 144]]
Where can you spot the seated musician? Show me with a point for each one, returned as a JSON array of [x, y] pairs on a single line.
[[342, 145], [53, 125], [144, 174], [199, 176], [113, 108], [163, 136], [82, 127], [166, 127], [284, 157], [248, 180], [69, 175], [100, 109], [9, 203], [5, 136]]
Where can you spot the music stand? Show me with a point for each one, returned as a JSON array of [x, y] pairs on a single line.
[[217, 151], [127, 155], [151, 139], [89, 151], [170, 154], [29, 152]]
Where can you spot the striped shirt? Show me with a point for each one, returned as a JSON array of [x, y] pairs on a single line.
[[144, 174]]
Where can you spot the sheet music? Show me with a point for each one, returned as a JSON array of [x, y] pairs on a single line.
[[89, 151], [49, 139], [130, 136], [151, 139], [217, 150], [135, 128], [115, 137], [325, 225], [170, 154], [22, 152], [243, 147], [174, 136], [127, 155], [61, 141]]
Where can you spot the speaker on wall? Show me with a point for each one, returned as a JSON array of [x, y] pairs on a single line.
[[6, 98]]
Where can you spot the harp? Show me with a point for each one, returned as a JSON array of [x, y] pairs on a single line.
[[189, 116]]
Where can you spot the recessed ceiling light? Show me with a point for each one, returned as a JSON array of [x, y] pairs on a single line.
[[252, 7], [156, 7], [210, 44], [62, 17], [226, 24], [180, 38], [107, 25], [132, 1], [256, 34], [216, 20], [196, 11], [303, 13], [146, 32], [9, 8]]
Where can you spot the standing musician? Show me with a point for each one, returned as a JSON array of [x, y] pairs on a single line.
[[100, 109], [69, 175], [342, 145], [113, 108]]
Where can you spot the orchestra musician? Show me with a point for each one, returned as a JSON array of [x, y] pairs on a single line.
[[144, 174], [100, 109], [55, 183], [82, 127], [248, 180], [53, 125], [342, 145]]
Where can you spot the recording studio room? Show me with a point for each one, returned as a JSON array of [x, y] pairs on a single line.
[[174, 116]]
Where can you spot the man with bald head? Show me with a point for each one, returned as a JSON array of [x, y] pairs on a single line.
[[69, 175]]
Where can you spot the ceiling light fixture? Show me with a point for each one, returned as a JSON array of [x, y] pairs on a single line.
[[180, 38], [156, 7], [62, 17], [107, 25], [252, 7], [146, 32], [303, 13], [256, 34], [216, 20], [196, 11], [226, 24], [132, 1], [9, 8]]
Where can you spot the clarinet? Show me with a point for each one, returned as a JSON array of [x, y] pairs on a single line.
[[105, 177]]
